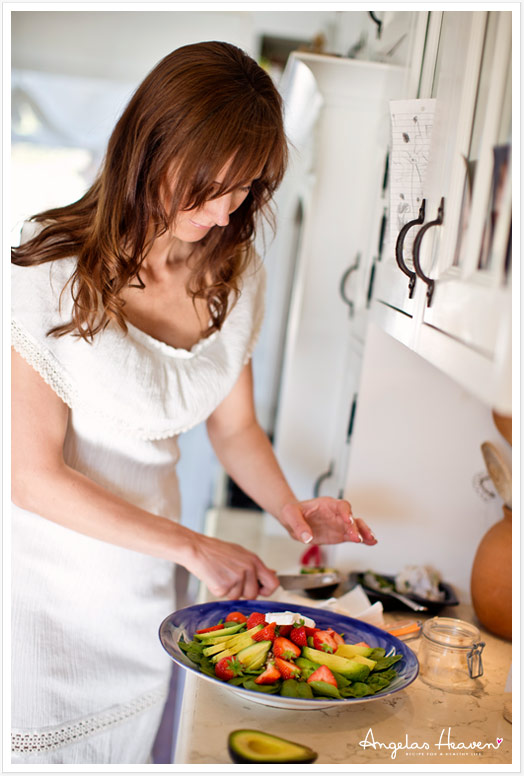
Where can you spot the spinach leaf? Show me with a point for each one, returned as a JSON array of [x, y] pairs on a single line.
[[387, 662]]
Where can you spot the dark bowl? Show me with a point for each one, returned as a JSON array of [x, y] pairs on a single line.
[[389, 602]]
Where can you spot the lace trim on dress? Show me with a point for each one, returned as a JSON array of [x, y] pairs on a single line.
[[41, 361], [57, 737]]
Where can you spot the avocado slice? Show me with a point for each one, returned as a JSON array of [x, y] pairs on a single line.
[[236, 642], [232, 634], [217, 652], [223, 633], [352, 670], [254, 656], [255, 746], [351, 650], [365, 661]]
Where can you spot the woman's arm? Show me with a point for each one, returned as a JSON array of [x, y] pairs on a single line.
[[43, 483], [247, 455]]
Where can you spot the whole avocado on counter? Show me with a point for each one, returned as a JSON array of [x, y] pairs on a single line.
[[255, 746]]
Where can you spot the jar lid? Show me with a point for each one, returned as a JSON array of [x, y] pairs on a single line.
[[451, 632]]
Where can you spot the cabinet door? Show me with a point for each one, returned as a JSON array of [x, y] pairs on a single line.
[[337, 234], [395, 302], [466, 258], [473, 177]]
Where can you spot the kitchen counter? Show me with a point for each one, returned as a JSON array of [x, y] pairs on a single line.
[[416, 726]]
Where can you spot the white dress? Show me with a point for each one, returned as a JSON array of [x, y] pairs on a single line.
[[89, 676]]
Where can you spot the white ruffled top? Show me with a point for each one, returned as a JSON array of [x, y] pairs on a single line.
[[136, 383]]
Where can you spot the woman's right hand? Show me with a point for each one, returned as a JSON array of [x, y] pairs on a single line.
[[229, 570]]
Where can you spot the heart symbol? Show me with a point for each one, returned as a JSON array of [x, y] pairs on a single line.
[[499, 740]]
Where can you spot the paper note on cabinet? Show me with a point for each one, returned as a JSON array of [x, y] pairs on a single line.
[[411, 127]]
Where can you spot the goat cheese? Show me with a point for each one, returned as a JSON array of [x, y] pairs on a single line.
[[289, 618]]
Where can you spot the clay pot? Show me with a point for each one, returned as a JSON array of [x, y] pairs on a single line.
[[491, 578]]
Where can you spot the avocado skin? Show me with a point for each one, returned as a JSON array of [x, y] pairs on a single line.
[[241, 754]]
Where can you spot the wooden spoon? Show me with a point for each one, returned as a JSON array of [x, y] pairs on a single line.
[[498, 471]]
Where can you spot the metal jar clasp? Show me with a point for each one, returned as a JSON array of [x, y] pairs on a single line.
[[474, 658]]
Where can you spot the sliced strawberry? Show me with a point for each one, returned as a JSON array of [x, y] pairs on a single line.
[[228, 667], [288, 670], [285, 648], [256, 618], [336, 636], [284, 630], [298, 636], [310, 631], [266, 634], [270, 675], [236, 617], [324, 641], [323, 674], [212, 628]]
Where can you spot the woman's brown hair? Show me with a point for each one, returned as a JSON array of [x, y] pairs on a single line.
[[202, 106]]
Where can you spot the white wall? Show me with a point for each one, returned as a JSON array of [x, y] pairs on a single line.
[[415, 452], [120, 45], [125, 45]]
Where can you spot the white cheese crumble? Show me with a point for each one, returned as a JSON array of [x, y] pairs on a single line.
[[289, 618]]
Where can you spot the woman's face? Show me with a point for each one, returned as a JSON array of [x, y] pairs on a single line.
[[193, 225]]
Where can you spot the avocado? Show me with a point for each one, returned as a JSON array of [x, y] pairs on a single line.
[[254, 656], [237, 642], [220, 637], [228, 649], [225, 633], [342, 665], [255, 746], [365, 661], [351, 650], [306, 667]]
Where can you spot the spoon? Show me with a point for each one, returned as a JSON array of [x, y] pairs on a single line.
[[498, 471]]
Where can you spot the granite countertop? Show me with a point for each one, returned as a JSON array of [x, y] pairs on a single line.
[[416, 726]]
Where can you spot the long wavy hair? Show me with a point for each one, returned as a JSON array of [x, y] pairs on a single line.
[[202, 106]]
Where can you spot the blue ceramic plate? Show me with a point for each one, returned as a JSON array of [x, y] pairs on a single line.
[[186, 621]]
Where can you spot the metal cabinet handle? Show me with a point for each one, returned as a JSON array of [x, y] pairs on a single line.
[[377, 21], [322, 478], [343, 281], [416, 251], [399, 247]]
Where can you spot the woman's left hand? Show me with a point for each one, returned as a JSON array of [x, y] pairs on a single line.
[[325, 520]]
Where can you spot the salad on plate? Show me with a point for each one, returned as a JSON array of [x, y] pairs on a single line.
[[284, 653]]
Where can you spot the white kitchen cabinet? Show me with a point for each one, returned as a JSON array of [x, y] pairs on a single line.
[[338, 243], [459, 316]]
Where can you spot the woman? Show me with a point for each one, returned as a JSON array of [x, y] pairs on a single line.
[[136, 310]]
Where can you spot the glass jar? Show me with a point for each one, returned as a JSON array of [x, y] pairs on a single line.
[[450, 654]]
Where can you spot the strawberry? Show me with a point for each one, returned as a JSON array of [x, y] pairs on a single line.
[[324, 641], [287, 669], [236, 617], [336, 636], [212, 628], [228, 667], [269, 676], [323, 674], [298, 636], [285, 648], [266, 634], [284, 630], [310, 631], [256, 618]]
